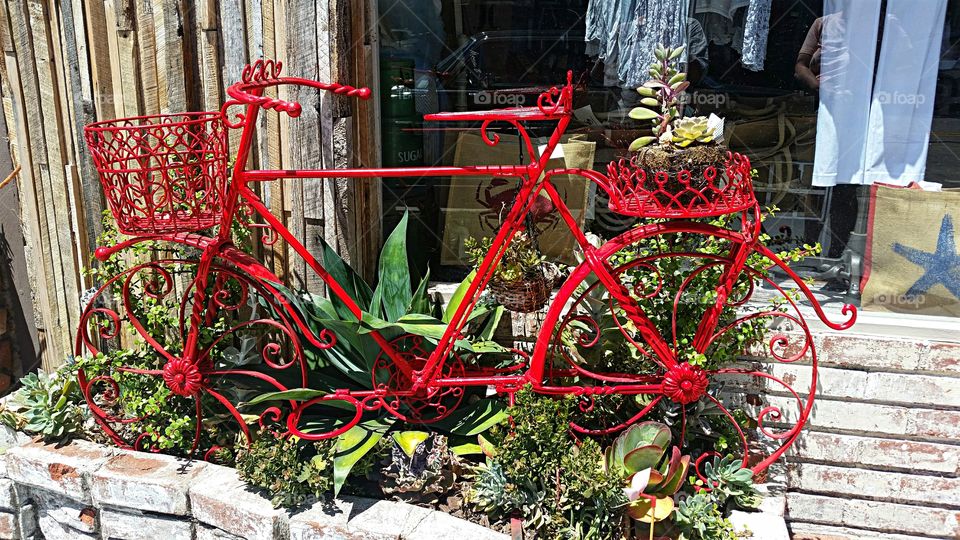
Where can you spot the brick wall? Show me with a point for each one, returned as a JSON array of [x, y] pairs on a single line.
[[84, 491], [881, 454]]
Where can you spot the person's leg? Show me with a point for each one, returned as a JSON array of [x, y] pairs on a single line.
[[843, 217]]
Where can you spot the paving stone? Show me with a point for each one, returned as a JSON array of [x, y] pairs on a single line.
[[60, 470], [149, 482], [220, 499], [134, 525], [760, 525]]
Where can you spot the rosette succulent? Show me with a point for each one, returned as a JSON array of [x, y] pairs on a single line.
[[692, 129], [640, 455]]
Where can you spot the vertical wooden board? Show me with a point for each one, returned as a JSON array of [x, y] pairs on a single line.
[[365, 140], [209, 55], [281, 190], [91, 203], [113, 47], [234, 50], [147, 46], [66, 128], [187, 17], [168, 32], [305, 210], [128, 58], [33, 120], [30, 210], [99, 54], [56, 197]]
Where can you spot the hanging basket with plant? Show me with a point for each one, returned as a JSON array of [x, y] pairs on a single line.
[[523, 280]]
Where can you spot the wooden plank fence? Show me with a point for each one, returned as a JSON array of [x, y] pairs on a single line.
[[67, 63]]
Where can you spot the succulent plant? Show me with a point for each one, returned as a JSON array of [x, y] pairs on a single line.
[[640, 455], [729, 481], [48, 404], [421, 468], [661, 105], [698, 517], [692, 129]]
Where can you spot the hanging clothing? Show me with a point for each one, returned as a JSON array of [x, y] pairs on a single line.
[[901, 111], [756, 29], [744, 25], [628, 31], [874, 130], [842, 44]]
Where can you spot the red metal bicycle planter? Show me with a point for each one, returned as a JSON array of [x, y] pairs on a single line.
[[165, 178]]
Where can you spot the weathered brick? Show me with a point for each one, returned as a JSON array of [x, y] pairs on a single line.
[[205, 532], [895, 487], [878, 516], [60, 470], [52, 529], [911, 389], [816, 531], [941, 358], [847, 350], [8, 496], [149, 482], [875, 452], [27, 520], [8, 525], [440, 525], [872, 418], [220, 499], [134, 525], [50, 507], [366, 519]]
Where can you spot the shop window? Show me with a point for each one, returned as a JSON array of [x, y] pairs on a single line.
[[452, 55]]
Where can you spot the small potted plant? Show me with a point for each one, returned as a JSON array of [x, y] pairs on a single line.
[[523, 280], [677, 143]]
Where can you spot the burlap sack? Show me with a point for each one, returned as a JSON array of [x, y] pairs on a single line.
[[475, 205], [912, 262]]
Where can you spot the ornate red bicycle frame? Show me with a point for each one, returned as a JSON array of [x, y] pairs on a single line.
[[422, 385]]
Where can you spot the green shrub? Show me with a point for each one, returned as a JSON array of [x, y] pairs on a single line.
[[559, 488], [290, 470]]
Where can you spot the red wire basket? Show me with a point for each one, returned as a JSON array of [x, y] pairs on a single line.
[[163, 173], [724, 189]]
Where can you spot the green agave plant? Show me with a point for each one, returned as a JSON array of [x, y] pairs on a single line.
[[640, 454], [392, 306]]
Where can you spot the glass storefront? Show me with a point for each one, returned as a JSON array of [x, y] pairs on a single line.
[[827, 97]]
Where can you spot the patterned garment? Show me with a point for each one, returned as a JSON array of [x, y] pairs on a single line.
[[627, 31]]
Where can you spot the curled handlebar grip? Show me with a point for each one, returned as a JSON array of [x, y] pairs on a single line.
[[292, 108], [342, 89]]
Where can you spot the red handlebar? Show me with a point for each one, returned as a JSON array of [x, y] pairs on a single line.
[[265, 73]]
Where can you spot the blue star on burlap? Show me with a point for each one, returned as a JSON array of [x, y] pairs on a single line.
[[942, 266]]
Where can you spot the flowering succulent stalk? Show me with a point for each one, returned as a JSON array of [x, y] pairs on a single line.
[[661, 95], [660, 104]]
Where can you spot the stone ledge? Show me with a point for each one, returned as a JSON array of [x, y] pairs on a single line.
[[64, 470], [150, 482], [86, 490]]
